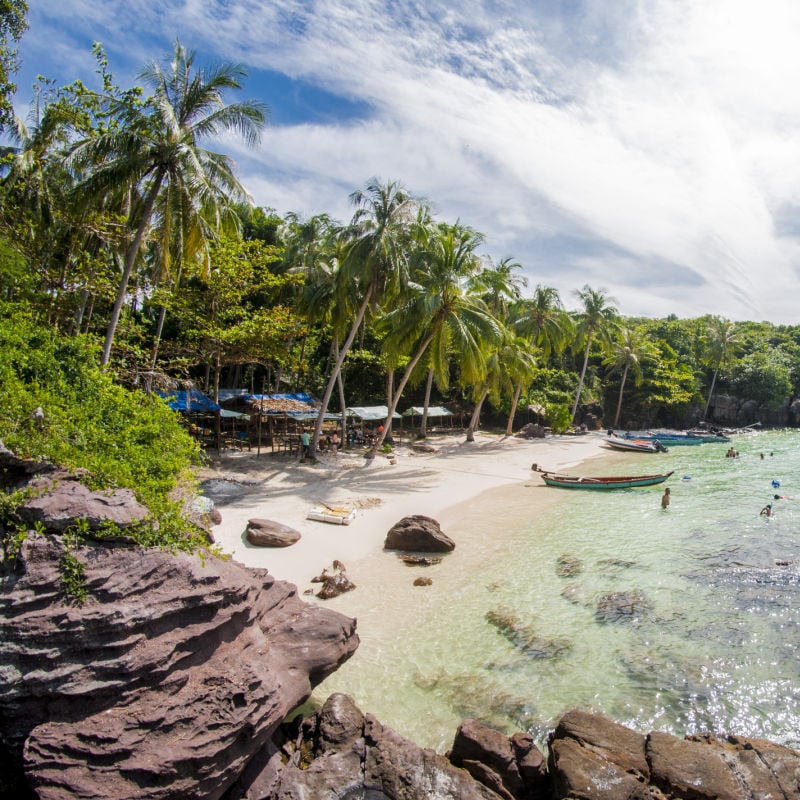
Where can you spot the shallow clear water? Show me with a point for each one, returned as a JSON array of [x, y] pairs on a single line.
[[707, 638]]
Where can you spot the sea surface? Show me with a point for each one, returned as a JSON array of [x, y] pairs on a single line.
[[682, 620]]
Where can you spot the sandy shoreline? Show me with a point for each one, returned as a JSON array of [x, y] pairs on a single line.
[[279, 488]]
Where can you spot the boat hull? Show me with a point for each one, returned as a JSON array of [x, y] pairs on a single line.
[[636, 445], [603, 483]]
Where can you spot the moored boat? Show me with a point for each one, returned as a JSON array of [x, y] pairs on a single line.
[[602, 483], [665, 438], [640, 445]]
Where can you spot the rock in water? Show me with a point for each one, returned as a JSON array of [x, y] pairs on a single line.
[[165, 682], [418, 533], [266, 533]]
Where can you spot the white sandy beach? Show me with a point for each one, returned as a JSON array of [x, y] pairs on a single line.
[[279, 488]]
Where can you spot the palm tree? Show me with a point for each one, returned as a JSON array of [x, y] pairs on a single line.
[[440, 313], [626, 354], [722, 341], [374, 265], [543, 320], [595, 319], [159, 146]]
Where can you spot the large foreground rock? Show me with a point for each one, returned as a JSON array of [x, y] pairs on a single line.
[[164, 683], [341, 752], [418, 533], [593, 758]]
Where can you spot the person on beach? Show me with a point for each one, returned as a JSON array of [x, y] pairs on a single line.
[[305, 441], [334, 442], [665, 500], [767, 510]]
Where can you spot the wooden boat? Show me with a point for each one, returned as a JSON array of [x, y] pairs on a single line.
[[665, 438], [602, 483], [641, 445]]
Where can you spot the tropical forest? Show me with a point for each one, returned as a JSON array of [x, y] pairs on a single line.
[[133, 260]]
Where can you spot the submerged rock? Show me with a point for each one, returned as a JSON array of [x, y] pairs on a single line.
[[524, 637], [621, 607], [568, 566]]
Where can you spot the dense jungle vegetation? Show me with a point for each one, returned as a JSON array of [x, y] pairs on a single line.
[[132, 257]]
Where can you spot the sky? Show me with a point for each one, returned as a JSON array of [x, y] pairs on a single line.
[[650, 148]]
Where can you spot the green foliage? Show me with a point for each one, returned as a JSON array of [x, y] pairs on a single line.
[[558, 417], [71, 568], [12, 25], [763, 376], [124, 439]]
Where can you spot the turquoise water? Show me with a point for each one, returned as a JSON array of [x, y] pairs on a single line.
[[709, 634]]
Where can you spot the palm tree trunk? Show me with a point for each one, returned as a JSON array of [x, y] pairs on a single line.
[[621, 390], [513, 412], [583, 375], [710, 393], [476, 417], [423, 428], [159, 330], [326, 398], [396, 399], [387, 426], [130, 260]]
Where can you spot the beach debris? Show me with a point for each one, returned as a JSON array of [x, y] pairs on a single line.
[[423, 581], [568, 566], [268, 533], [621, 607], [524, 637], [418, 533], [333, 583], [421, 447], [336, 515], [420, 561]]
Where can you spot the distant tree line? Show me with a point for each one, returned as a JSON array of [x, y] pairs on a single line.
[[120, 229]]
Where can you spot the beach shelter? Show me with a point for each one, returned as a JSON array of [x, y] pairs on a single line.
[[190, 401], [194, 403], [434, 412], [371, 414]]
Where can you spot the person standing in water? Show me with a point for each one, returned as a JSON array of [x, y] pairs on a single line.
[[665, 500]]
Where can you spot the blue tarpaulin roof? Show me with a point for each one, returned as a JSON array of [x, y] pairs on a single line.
[[189, 401]]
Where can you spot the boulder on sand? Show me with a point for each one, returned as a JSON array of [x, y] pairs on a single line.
[[266, 533], [418, 533]]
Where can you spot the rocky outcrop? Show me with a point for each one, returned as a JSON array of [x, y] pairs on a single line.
[[266, 533], [333, 583], [165, 682], [512, 767], [341, 752], [59, 500], [418, 533], [531, 431], [593, 758]]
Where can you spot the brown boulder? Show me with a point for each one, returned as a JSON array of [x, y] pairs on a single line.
[[423, 581], [59, 500], [341, 752], [266, 533], [418, 533], [167, 680]]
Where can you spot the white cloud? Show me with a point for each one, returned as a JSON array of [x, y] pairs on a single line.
[[664, 131]]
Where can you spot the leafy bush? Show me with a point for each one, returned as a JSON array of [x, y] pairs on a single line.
[[122, 438], [558, 417]]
